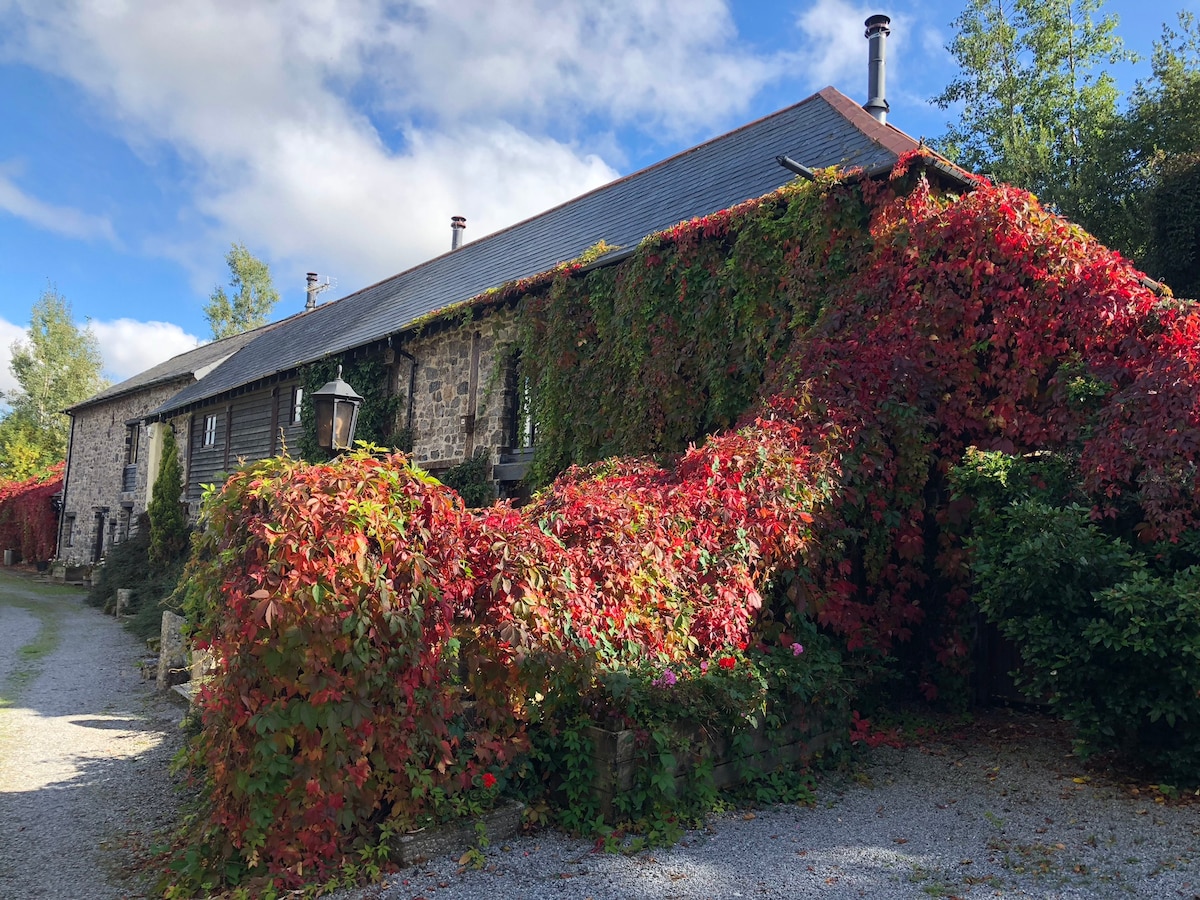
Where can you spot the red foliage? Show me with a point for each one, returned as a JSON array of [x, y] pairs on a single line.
[[335, 590], [28, 522]]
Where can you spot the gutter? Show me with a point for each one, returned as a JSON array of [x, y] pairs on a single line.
[[412, 382], [62, 506]]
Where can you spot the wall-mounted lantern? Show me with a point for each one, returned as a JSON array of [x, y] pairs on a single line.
[[335, 407]]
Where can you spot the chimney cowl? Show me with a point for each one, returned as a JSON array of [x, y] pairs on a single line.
[[311, 290], [457, 226], [876, 33]]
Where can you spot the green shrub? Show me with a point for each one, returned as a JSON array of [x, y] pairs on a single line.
[[128, 565], [473, 480], [1111, 639], [168, 524]]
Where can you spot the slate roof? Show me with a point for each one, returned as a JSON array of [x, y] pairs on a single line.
[[191, 363], [824, 130]]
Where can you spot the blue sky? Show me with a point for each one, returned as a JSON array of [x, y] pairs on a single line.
[[141, 138]]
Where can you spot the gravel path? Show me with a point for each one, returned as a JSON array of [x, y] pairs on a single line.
[[1000, 811], [84, 748]]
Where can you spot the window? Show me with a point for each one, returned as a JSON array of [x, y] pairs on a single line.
[[69, 531], [210, 431], [519, 427], [297, 398], [132, 434]]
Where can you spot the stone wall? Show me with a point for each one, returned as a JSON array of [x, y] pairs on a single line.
[[461, 400], [95, 505]]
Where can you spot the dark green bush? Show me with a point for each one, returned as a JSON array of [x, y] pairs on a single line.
[[473, 480], [168, 524], [127, 565], [1110, 633]]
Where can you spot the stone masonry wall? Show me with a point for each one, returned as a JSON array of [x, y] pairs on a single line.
[[95, 469], [460, 373]]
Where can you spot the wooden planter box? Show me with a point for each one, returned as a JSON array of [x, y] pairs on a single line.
[[806, 733], [456, 837]]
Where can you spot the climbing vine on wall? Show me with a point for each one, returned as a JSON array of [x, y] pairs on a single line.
[[338, 598], [659, 351], [377, 418], [28, 517]]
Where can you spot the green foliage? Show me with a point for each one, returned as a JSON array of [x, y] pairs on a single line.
[[1109, 630], [1140, 193], [377, 417], [168, 525], [58, 368], [129, 565], [253, 297], [1173, 223], [1034, 90], [472, 480], [674, 344], [685, 717]]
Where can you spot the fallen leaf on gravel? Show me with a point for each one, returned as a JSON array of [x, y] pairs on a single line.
[[749, 816], [900, 840]]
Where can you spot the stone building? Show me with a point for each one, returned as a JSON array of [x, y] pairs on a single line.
[[441, 334], [113, 453], [453, 378]]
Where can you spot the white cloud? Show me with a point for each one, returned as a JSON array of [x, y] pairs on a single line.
[[129, 347], [835, 48], [341, 135], [9, 333], [57, 219], [671, 61]]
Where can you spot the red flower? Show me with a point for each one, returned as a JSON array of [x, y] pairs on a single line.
[[489, 780], [741, 645], [726, 662]]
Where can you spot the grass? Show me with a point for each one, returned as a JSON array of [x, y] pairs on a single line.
[[14, 592]]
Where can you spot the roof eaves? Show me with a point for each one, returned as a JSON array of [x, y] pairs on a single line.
[[100, 398]]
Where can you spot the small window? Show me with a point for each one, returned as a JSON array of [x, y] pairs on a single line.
[[520, 429], [210, 431], [132, 434], [69, 531], [297, 398]]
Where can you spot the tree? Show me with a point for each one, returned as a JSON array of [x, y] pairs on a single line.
[[1140, 188], [57, 368], [168, 526], [1033, 99], [252, 298]]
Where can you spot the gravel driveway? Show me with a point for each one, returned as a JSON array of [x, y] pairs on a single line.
[[84, 748], [1000, 810]]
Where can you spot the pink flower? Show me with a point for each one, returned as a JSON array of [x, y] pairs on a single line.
[[797, 649], [666, 679], [704, 667], [489, 780]]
